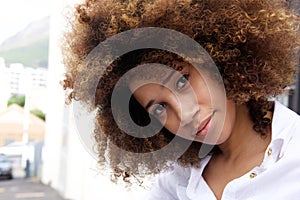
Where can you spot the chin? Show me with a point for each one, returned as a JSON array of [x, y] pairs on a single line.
[[216, 140]]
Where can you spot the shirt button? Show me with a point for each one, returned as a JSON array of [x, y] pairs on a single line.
[[253, 174], [269, 152]]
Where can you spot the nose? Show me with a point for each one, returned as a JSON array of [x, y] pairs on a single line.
[[188, 109]]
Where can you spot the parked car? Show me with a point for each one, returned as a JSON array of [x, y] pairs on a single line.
[[5, 167]]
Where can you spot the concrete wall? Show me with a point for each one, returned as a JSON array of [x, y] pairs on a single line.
[[67, 166]]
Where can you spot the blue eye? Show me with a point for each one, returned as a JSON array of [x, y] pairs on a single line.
[[181, 82], [159, 109]]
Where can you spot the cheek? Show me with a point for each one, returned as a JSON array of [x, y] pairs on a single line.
[[172, 124], [205, 95], [229, 123]]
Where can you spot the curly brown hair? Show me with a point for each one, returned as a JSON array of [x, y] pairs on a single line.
[[253, 43]]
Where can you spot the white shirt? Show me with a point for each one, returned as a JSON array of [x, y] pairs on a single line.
[[277, 178]]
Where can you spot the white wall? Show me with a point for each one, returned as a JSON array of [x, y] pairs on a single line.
[[67, 166]]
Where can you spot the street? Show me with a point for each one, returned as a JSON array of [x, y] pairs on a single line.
[[26, 189]]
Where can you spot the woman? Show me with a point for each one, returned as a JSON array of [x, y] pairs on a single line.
[[206, 145]]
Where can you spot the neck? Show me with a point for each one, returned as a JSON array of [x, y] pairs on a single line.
[[244, 141]]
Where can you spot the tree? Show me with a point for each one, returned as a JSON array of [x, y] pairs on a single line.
[[39, 114], [20, 100]]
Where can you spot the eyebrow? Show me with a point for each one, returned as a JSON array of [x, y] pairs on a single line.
[[151, 102], [168, 78]]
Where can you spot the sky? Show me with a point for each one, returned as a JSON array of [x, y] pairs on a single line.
[[15, 15]]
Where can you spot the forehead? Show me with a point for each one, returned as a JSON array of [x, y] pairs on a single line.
[[150, 74]]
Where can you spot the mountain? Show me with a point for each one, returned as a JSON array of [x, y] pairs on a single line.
[[29, 46]]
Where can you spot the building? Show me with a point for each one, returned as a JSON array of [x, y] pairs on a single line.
[[20, 80], [4, 86], [21, 138], [18, 75], [12, 126]]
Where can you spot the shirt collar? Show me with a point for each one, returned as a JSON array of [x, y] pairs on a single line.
[[282, 121], [282, 125], [195, 177]]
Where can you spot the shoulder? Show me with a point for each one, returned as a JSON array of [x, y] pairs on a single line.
[[174, 183], [166, 183], [285, 119], [286, 128]]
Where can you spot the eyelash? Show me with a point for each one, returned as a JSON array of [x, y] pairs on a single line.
[[160, 105], [184, 77], [163, 105]]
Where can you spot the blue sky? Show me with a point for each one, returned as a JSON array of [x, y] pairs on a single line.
[[17, 14]]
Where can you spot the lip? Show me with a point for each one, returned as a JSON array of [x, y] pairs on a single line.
[[204, 126]]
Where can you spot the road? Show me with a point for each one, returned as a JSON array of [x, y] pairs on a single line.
[[26, 189]]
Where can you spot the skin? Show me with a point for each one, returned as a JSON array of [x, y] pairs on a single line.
[[185, 102]]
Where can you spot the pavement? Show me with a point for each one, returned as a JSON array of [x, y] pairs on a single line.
[[26, 189]]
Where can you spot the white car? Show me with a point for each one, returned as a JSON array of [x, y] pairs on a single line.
[[5, 167]]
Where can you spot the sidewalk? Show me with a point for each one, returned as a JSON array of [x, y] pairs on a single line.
[[26, 189]]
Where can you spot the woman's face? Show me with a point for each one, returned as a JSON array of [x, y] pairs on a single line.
[[187, 103]]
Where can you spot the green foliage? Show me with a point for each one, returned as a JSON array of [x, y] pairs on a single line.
[[20, 100], [39, 114]]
